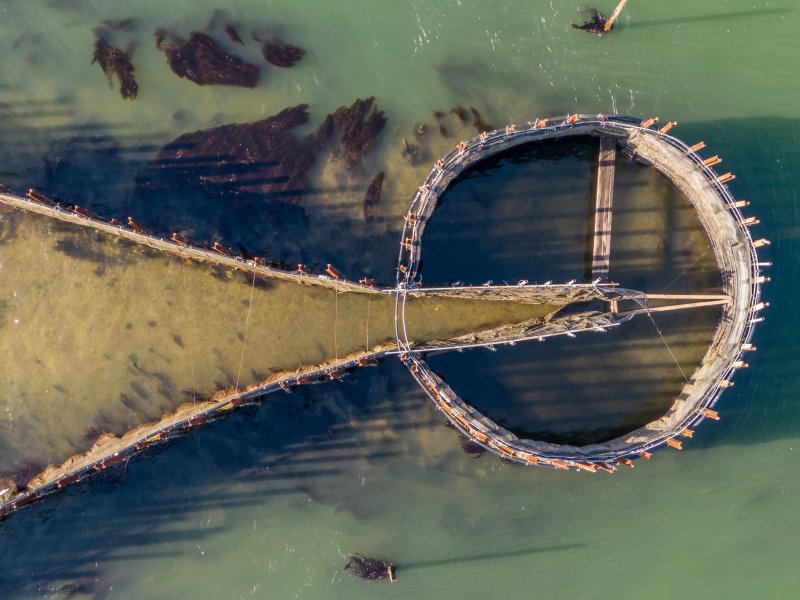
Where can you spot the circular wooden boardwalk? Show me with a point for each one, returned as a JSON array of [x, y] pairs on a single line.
[[735, 253]]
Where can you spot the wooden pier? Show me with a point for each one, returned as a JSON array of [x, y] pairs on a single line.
[[733, 246], [604, 198]]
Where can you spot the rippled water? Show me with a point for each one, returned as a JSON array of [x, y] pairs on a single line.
[[270, 502]]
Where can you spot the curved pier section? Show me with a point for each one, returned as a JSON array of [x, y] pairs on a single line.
[[734, 250]]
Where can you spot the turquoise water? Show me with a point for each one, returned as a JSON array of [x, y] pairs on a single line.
[[270, 502]]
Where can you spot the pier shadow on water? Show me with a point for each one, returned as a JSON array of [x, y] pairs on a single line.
[[302, 449]]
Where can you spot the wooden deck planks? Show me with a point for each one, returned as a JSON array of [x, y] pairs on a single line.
[[601, 244]]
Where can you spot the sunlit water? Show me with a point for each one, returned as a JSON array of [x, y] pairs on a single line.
[[270, 502]]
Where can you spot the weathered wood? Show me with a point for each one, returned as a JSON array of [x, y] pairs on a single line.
[[604, 198], [614, 16]]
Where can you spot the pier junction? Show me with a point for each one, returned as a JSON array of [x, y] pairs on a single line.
[[401, 325]]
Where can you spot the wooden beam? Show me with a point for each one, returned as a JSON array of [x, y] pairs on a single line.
[[604, 197], [642, 311], [614, 16], [686, 296]]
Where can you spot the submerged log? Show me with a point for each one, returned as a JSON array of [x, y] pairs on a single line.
[[370, 568], [204, 62], [114, 61], [373, 197]]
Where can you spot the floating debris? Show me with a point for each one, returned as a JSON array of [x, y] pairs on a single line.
[[373, 197], [597, 21], [114, 61], [204, 62], [281, 54], [370, 568]]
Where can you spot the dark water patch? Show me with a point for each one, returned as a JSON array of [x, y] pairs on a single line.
[[126, 25], [114, 61], [204, 62], [520, 214], [281, 54]]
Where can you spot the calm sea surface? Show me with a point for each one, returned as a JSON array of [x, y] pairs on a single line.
[[270, 502]]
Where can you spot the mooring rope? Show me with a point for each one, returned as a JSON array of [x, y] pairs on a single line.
[[687, 269], [672, 354], [186, 307], [646, 305], [244, 337]]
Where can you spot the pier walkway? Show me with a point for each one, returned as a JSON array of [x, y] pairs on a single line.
[[604, 198]]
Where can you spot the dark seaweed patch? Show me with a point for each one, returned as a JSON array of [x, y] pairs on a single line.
[[478, 121], [372, 197], [204, 62], [114, 61], [370, 568], [281, 54], [233, 34], [358, 126], [595, 23], [460, 112]]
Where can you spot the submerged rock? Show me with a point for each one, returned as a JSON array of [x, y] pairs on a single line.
[[114, 61], [205, 62], [370, 568], [281, 54], [372, 197]]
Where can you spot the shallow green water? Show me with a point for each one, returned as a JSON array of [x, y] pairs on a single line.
[[269, 503]]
